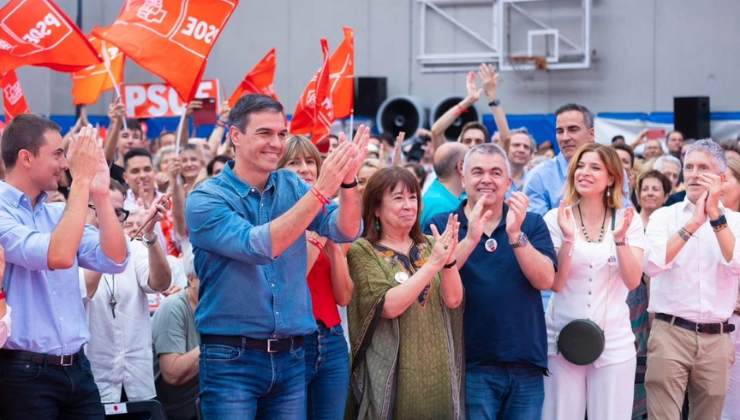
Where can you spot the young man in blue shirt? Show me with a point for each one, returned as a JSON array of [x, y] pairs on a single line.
[[505, 258], [247, 226], [45, 373]]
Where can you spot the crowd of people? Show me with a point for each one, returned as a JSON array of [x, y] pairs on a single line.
[[259, 274]]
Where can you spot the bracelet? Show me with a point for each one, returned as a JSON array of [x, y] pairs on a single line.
[[684, 234], [494, 103], [721, 220], [316, 243], [719, 227], [459, 109], [350, 185], [220, 123], [149, 242], [2, 295], [450, 265], [321, 197], [620, 243]]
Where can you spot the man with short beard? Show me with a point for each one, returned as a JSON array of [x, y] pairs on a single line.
[[574, 127]]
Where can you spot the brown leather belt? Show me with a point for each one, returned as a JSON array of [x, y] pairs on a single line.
[[707, 328]]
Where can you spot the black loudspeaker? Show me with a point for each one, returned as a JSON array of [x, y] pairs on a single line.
[[401, 113], [691, 116], [370, 92], [453, 132]]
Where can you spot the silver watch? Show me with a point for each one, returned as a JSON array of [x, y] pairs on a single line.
[[521, 241]]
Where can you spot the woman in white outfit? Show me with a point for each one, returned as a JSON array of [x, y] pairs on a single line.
[[600, 257]]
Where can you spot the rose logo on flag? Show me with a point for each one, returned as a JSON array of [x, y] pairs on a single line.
[[13, 93], [152, 11]]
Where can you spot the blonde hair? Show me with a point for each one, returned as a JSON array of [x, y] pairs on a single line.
[[613, 167], [733, 164]]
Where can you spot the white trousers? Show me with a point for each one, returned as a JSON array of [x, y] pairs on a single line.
[[731, 411], [606, 392]]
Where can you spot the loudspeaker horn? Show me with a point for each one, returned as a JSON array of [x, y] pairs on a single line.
[[401, 113], [453, 131]]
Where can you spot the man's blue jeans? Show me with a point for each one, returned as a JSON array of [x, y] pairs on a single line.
[[241, 383], [327, 373], [30, 390], [510, 392]]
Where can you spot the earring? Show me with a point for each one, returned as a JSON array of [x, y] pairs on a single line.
[[377, 225], [609, 192]]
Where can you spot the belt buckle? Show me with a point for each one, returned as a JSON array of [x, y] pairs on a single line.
[[269, 345], [66, 360]]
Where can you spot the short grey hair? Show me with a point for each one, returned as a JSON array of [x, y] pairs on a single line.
[[663, 160], [710, 147], [588, 117], [486, 149], [523, 130]]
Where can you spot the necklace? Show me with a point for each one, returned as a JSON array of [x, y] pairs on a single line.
[[112, 291], [583, 227]]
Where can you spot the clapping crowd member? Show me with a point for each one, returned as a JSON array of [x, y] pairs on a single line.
[[249, 245]]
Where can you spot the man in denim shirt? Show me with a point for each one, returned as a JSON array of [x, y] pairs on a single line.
[[247, 226], [45, 374]]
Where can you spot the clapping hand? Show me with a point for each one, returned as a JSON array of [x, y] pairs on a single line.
[[713, 184], [566, 221], [620, 231], [472, 88], [518, 204], [489, 78], [478, 220], [445, 244]]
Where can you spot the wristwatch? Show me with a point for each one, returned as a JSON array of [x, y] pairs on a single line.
[[521, 241], [149, 242], [494, 103]]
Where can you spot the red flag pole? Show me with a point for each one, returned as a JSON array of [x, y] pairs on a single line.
[[351, 123], [106, 64]]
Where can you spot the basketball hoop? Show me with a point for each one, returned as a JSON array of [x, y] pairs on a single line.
[[528, 62]]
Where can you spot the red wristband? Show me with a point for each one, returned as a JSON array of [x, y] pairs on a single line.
[[2, 294], [321, 197], [316, 243]]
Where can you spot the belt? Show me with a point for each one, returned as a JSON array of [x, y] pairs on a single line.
[[41, 358], [708, 328], [271, 345]]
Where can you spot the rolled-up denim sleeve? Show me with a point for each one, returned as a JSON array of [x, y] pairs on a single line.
[[217, 228], [91, 255], [24, 246], [326, 224]]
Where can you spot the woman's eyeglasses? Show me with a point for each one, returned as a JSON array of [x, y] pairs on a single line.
[[121, 214]]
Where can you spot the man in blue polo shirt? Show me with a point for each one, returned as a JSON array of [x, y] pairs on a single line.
[[505, 258], [247, 226]]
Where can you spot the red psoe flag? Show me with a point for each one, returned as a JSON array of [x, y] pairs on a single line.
[[90, 82], [342, 75], [314, 112], [14, 102], [170, 38], [259, 80], [37, 32]]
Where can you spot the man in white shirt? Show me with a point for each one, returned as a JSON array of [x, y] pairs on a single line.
[[120, 346], [694, 263]]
